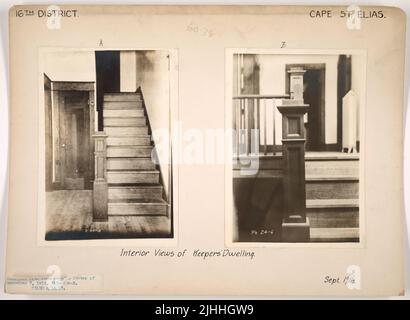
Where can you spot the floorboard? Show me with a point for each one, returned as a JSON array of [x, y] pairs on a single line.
[[69, 217]]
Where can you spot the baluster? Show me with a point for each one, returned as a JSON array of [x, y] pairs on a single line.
[[255, 136], [246, 127], [274, 126], [242, 125], [265, 146], [238, 125]]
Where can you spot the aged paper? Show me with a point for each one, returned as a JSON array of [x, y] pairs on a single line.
[[236, 150]]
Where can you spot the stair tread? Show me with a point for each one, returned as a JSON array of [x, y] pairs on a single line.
[[323, 156], [123, 108], [122, 94], [130, 136], [132, 147], [128, 93], [120, 157], [121, 117], [111, 186], [331, 178], [121, 113], [131, 158], [122, 99], [332, 203], [138, 201], [334, 233], [132, 184], [132, 170], [127, 126]]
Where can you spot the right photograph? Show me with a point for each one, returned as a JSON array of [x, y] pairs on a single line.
[[296, 146]]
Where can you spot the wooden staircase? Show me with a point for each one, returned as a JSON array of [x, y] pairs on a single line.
[[332, 197], [134, 185]]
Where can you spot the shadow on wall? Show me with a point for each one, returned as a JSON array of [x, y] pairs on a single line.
[[146, 60], [153, 78], [259, 209]]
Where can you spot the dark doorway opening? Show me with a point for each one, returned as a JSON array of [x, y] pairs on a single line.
[[314, 96], [107, 66]]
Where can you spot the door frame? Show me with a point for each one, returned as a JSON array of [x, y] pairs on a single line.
[[59, 90]]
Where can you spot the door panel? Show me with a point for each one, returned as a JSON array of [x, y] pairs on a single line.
[[74, 144]]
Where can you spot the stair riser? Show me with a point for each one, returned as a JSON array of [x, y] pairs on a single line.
[[130, 164], [129, 152], [122, 104], [333, 218], [332, 168], [134, 193], [128, 141], [124, 113], [332, 190], [136, 209], [126, 131], [125, 122], [334, 234], [122, 97], [135, 177]]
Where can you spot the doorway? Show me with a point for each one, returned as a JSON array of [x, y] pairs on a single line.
[[107, 68], [69, 126], [314, 96], [75, 142]]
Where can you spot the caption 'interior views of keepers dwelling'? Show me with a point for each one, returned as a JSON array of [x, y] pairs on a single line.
[[101, 111], [297, 121]]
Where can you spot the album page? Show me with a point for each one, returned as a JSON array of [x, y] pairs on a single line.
[[206, 150]]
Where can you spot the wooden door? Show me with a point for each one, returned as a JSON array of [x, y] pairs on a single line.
[[74, 145], [69, 127]]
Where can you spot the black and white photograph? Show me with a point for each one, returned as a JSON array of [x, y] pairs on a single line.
[[107, 165], [296, 144], [205, 151]]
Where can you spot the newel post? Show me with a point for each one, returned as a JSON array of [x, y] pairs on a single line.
[[100, 192], [295, 224]]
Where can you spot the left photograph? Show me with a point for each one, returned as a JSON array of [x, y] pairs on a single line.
[[107, 144]]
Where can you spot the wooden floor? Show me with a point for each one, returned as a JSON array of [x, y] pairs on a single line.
[[69, 217]]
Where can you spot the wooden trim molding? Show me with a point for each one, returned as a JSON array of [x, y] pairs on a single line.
[[73, 86]]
